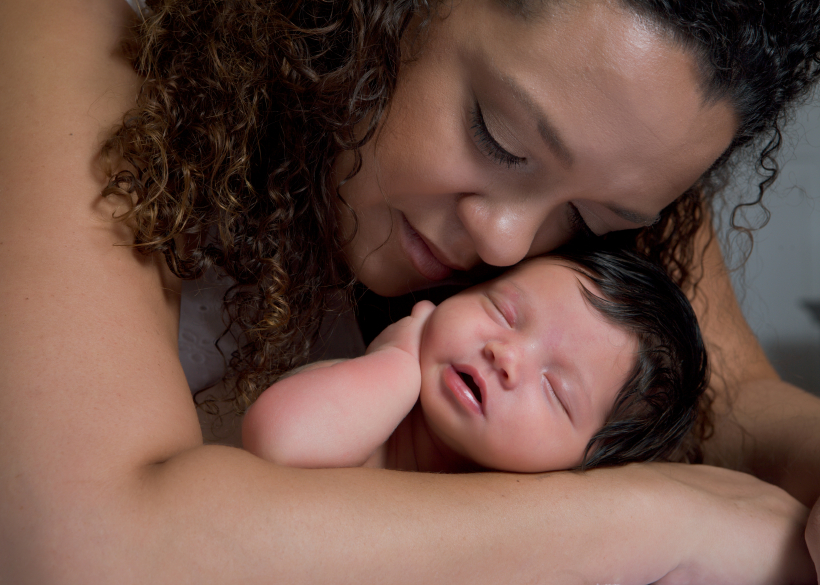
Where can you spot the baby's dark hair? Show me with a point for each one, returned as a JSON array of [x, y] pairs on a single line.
[[663, 406]]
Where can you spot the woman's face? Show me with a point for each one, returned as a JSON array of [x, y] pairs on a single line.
[[508, 134]]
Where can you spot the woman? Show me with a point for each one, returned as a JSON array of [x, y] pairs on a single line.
[[104, 474]]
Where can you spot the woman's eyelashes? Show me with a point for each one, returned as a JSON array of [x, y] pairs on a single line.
[[490, 145], [579, 227]]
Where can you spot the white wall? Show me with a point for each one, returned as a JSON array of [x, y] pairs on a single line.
[[784, 268]]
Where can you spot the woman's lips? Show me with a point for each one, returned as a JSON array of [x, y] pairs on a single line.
[[420, 255], [460, 390]]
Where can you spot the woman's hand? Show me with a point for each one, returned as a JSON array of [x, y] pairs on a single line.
[[750, 531], [405, 334]]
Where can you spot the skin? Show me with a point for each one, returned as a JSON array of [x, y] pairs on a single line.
[[104, 474], [633, 124], [547, 364]]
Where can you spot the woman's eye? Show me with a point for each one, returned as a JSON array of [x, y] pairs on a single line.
[[579, 227], [490, 145]]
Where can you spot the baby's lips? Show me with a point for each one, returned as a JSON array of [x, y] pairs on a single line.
[[478, 380], [458, 387]]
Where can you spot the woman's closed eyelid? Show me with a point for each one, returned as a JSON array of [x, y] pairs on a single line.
[[579, 225], [488, 144]]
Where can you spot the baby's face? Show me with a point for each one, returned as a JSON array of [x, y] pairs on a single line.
[[519, 373]]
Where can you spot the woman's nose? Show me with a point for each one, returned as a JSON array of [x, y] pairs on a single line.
[[502, 231], [504, 359]]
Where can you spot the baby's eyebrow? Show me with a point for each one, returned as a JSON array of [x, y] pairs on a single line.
[[519, 292], [576, 392]]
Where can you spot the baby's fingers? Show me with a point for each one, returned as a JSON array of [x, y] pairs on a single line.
[[405, 334], [414, 326], [422, 310]]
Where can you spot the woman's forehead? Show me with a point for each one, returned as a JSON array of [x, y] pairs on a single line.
[[625, 101]]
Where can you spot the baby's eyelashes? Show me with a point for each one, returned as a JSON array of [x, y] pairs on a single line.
[[550, 389], [503, 310]]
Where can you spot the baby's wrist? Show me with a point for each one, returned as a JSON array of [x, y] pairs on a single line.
[[402, 366], [398, 352]]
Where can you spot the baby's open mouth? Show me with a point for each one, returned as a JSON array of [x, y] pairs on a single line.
[[468, 379]]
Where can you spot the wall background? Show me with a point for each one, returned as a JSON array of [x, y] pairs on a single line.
[[784, 269]]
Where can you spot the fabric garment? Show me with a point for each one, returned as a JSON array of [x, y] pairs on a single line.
[[200, 326]]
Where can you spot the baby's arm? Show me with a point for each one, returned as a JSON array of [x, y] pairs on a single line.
[[337, 413]]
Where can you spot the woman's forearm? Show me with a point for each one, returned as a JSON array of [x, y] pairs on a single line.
[[220, 515], [762, 425], [772, 430]]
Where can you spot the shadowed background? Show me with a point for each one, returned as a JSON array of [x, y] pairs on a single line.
[[783, 272]]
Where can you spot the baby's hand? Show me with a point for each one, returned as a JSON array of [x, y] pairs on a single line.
[[406, 333]]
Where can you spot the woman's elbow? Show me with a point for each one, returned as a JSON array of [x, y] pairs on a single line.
[[69, 532]]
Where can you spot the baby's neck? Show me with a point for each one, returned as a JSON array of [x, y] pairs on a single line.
[[413, 446]]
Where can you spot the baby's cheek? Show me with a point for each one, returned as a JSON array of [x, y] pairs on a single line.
[[539, 447], [429, 356], [428, 380]]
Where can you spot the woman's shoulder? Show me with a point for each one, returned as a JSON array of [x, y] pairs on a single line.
[[68, 55], [64, 83], [81, 310]]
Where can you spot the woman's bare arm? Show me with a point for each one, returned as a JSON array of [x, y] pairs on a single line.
[[103, 474], [764, 426]]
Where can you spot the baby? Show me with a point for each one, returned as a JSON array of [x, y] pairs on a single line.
[[572, 360]]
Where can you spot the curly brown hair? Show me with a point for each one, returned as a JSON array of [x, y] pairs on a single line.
[[226, 159], [228, 154]]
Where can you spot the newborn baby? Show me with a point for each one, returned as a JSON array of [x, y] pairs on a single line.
[[571, 360]]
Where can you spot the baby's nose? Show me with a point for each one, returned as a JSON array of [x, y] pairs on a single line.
[[503, 357]]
